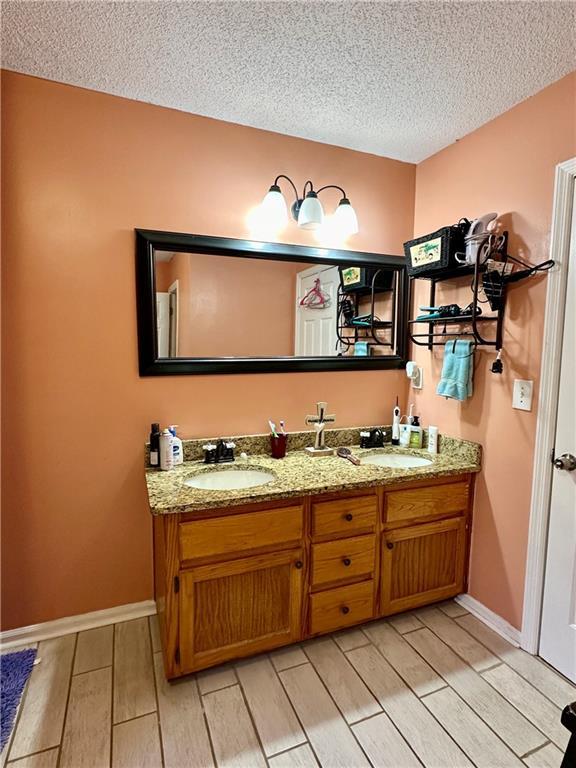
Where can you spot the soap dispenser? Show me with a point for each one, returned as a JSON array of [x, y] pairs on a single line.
[[177, 449], [416, 433]]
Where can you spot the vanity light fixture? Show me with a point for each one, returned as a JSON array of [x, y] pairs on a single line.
[[307, 210]]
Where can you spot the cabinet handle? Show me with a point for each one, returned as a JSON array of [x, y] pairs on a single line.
[[347, 561], [345, 609], [298, 564], [389, 545], [349, 516]]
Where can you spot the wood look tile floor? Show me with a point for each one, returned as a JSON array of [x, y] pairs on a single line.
[[433, 688]]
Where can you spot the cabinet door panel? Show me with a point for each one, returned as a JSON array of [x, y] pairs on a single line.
[[239, 608], [422, 564]]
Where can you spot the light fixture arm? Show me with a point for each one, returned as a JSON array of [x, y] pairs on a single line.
[[332, 186], [305, 185], [288, 179]]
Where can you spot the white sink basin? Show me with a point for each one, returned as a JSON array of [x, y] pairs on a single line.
[[230, 479], [396, 460]]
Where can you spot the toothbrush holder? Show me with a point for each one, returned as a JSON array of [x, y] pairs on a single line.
[[278, 446]]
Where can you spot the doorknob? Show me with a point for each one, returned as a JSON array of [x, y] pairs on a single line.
[[566, 461]]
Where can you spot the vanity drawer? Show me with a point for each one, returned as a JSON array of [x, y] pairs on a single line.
[[238, 534], [337, 608], [342, 516], [414, 503], [342, 559]]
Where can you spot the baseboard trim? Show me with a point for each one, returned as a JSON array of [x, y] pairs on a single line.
[[491, 619], [70, 624]]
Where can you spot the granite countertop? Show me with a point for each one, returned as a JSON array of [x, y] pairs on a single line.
[[300, 474]]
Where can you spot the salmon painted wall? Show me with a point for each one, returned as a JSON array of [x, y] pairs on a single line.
[[81, 170], [507, 166], [232, 306]]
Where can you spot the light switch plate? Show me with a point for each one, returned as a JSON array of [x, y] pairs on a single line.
[[522, 395]]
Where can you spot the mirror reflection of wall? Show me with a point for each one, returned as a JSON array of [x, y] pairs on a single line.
[[233, 306]]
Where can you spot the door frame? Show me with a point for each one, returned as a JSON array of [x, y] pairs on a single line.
[[174, 324], [564, 189]]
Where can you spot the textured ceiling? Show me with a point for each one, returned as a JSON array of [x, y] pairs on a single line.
[[400, 79]]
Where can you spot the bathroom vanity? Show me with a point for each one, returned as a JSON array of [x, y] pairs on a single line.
[[238, 573]]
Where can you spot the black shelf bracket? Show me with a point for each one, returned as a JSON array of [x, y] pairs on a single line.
[[469, 325]]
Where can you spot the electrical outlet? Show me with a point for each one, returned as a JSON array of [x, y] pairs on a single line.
[[522, 395]]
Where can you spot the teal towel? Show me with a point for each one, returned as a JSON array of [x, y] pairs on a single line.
[[456, 378]]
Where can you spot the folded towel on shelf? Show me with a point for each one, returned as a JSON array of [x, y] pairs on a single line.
[[456, 379]]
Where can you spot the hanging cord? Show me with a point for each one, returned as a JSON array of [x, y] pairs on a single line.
[[528, 271]]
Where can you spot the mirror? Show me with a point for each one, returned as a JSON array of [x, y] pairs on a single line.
[[208, 305]]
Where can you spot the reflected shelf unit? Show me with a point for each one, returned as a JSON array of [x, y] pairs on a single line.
[[348, 333]]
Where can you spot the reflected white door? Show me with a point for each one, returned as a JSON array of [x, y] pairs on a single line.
[[315, 333], [163, 323], [558, 631]]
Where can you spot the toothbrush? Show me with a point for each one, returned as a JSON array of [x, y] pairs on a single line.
[[282, 427], [272, 427], [396, 424]]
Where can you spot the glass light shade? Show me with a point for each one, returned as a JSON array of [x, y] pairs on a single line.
[[273, 208], [345, 219], [311, 214]]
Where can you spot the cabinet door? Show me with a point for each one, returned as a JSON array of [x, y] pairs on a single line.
[[422, 564], [239, 607]]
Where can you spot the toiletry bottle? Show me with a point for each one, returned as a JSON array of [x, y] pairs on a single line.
[[155, 445], [166, 452], [432, 439], [396, 424], [177, 448], [405, 432], [416, 433]]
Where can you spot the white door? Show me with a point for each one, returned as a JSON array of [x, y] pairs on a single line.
[[316, 328], [558, 631], [163, 323]]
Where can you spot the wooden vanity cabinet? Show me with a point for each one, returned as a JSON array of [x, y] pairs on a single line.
[[237, 581], [424, 543], [239, 607]]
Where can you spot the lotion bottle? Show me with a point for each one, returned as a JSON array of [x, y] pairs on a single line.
[[177, 448], [432, 439], [166, 450]]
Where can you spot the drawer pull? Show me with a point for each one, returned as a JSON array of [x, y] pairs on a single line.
[[298, 564], [346, 561], [345, 609], [349, 516], [390, 545]]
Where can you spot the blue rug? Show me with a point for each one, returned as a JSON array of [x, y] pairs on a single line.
[[15, 669]]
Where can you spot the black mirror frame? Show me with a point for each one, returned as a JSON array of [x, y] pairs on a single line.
[[147, 241]]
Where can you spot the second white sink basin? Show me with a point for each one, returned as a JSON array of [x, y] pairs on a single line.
[[230, 479], [396, 460]]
